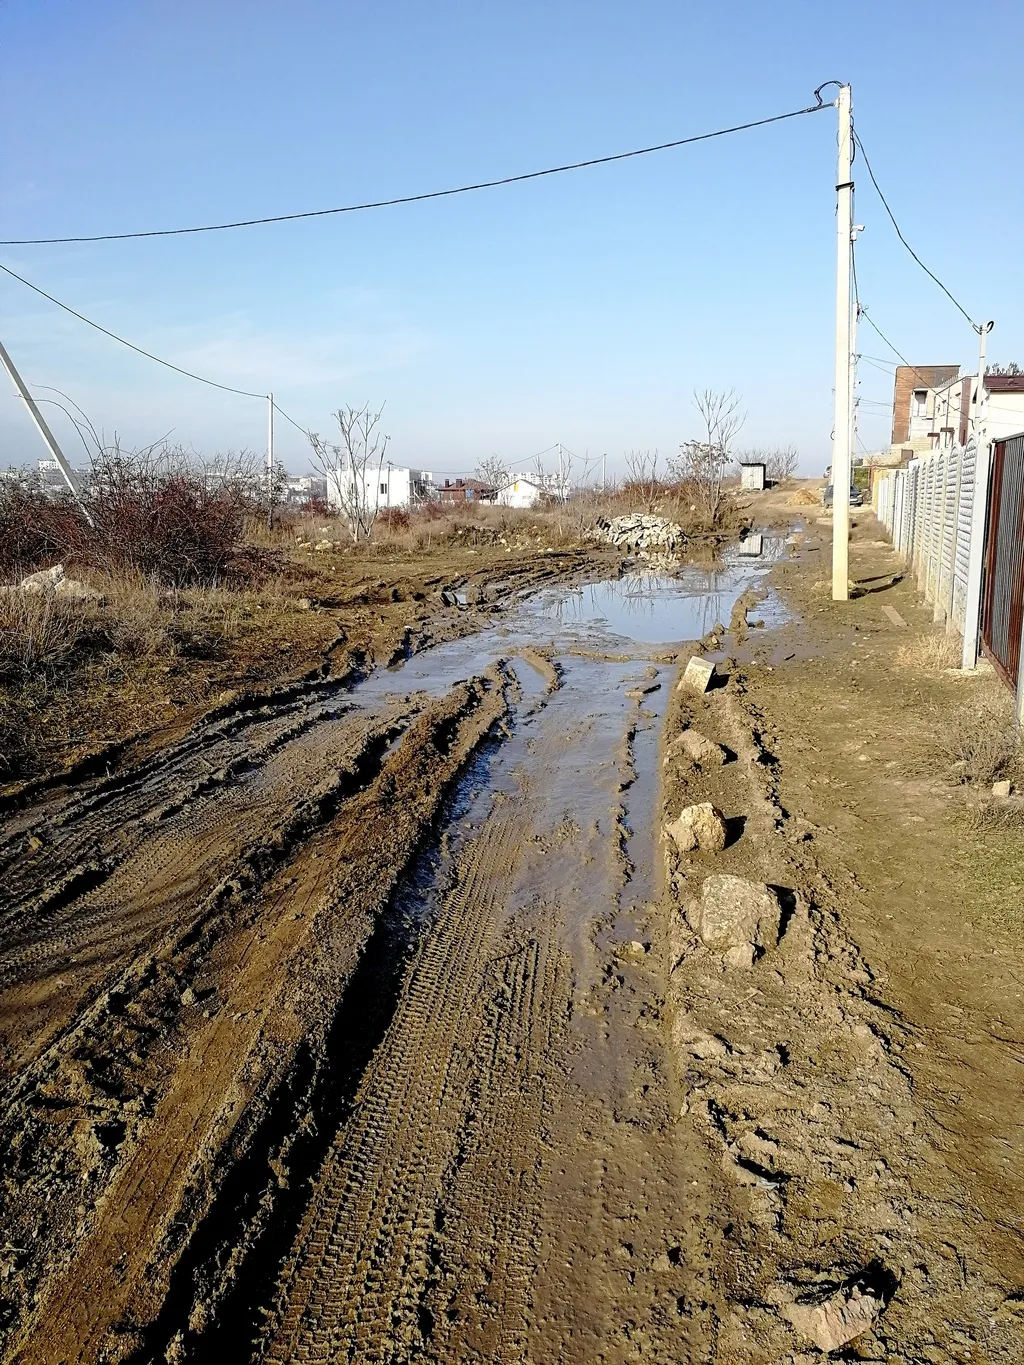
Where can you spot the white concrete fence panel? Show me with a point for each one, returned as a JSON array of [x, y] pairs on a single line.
[[934, 511]]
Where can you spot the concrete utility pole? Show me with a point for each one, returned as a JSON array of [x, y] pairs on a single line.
[[982, 330], [841, 453], [270, 461], [44, 430]]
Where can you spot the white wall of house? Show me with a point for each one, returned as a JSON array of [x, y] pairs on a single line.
[[389, 486], [528, 490], [1002, 415]]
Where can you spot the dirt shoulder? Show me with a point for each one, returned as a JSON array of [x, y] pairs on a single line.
[[861, 1083]]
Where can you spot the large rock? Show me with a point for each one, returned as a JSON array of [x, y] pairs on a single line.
[[43, 580], [698, 827], [838, 1319], [697, 675], [736, 917], [74, 590], [703, 751]]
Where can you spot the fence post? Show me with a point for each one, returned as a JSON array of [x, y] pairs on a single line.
[[976, 560]]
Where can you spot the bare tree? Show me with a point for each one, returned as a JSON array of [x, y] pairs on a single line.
[[703, 462], [493, 471], [780, 462], [642, 477], [353, 465]]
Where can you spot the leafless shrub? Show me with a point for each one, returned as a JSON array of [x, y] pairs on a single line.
[[780, 462], [493, 471], [981, 742], [702, 462], [642, 483]]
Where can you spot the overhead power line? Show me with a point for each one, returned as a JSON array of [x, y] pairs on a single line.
[[892, 218], [420, 198], [213, 383]]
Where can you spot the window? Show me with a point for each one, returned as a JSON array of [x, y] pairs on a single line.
[[919, 404], [383, 488]]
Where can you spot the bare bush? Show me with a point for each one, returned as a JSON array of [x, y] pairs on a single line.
[[981, 743], [494, 472], [780, 462], [702, 462], [642, 484]]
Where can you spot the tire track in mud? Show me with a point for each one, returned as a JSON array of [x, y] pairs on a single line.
[[353, 1288], [172, 1169]]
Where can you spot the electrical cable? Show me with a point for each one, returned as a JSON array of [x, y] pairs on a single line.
[[419, 198], [885, 204], [245, 393], [289, 419]]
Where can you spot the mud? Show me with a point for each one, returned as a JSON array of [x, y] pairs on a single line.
[[363, 1021]]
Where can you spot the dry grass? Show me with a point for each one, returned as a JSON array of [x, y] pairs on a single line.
[[979, 741], [38, 634], [928, 653]]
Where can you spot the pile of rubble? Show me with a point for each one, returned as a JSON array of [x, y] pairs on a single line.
[[54, 583], [640, 533]]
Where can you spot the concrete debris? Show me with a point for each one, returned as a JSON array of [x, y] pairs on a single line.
[[642, 534], [73, 590], [1002, 788], [703, 751], [736, 917], [697, 675], [700, 827], [44, 580], [840, 1318]]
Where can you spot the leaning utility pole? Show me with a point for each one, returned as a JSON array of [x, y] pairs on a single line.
[[841, 453], [44, 430]]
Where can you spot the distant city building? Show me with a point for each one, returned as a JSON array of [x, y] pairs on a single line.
[[301, 489]]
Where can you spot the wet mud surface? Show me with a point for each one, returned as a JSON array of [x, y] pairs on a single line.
[[368, 1023]]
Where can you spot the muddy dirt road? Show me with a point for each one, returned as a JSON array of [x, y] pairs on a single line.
[[365, 1024]]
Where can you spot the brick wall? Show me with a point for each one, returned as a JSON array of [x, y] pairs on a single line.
[[909, 378]]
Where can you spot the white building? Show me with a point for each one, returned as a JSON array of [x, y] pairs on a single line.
[[300, 489], [529, 490], [387, 486]]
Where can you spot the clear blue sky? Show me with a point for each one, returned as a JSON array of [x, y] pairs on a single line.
[[583, 308]]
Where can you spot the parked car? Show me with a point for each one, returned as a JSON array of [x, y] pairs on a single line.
[[856, 497]]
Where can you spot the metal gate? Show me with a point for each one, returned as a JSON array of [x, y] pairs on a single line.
[[1003, 602]]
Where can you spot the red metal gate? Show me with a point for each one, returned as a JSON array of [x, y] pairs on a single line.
[[1003, 605]]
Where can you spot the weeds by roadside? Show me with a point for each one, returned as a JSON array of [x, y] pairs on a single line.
[[928, 653], [980, 742]]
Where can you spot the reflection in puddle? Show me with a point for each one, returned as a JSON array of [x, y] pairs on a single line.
[[651, 608]]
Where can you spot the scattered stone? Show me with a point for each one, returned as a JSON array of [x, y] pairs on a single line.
[[323, 545], [304, 604], [634, 949], [837, 1320], [698, 827], [1002, 788], [43, 580], [188, 996], [643, 534], [736, 917], [703, 751], [697, 675], [74, 590]]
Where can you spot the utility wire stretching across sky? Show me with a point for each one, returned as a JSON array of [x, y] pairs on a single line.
[[419, 198], [892, 218], [213, 383]]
